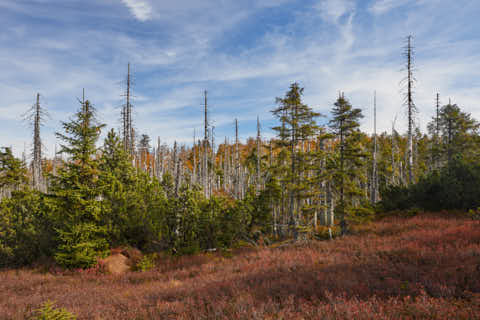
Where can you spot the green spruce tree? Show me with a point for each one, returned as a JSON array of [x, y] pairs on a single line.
[[13, 173], [77, 191], [349, 155], [458, 133], [297, 126]]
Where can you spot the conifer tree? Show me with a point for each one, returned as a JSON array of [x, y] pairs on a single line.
[[345, 125], [457, 130], [12, 170], [76, 189], [117, 178], [297, 125]]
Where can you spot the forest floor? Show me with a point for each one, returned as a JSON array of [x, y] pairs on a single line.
[[423, 267]]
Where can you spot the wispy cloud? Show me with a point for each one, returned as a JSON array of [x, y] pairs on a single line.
[[141, 9], [332, 10], [245, 53], [383, 6]]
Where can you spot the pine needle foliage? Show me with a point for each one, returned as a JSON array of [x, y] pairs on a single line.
[[78, 193], [349, 154]]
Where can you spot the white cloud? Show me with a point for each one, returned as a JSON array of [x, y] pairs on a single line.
[[332, 10], [189, 49], [383, 6], [141, 9]]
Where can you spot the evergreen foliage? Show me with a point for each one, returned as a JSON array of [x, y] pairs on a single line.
[[297, 126], [457, 132], [349, 157], [77, 190], [12, 171], [48, 311], [184, 201], [452, 187], [26, 232]]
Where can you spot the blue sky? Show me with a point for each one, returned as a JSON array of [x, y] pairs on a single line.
[[245, 53]]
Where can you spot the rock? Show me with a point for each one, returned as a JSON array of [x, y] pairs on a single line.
[[134, 256], [116, 264]]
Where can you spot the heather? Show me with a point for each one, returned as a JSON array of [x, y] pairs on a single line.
[[421, 267]]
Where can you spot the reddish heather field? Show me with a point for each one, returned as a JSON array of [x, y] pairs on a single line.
[[425, 267]]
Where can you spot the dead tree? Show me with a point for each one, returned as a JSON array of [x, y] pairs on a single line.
[[205, 151], [409, 82], [176, 168], [36, 117], [127, 122], [237, 163], [194, 160], [374, 190], [259, 155], [212, 161], [437, 116]]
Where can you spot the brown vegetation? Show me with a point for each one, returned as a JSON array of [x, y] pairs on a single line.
[[422, 267]]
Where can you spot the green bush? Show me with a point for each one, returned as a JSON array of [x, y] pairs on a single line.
[[147, 263], [474, 213], [452, 187], [26, 229], [361, 214], [48, 311]]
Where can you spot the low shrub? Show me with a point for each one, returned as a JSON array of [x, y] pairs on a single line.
[[147, 263], [48, 311]]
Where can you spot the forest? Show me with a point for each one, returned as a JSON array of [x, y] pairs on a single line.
[[308, 186], [308, 182]]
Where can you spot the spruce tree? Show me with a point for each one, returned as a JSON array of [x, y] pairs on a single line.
[[12, 171], [458, 132], [76, 189], [297, 125], [117, 178], [345, 125]]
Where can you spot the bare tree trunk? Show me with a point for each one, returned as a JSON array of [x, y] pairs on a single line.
[[194, 156], [259, 156], [127, 126], [374, 169], [37, 147], [205, 151], [213, 163], [331, 206], [411, 108], [35, 117], [237, 163]]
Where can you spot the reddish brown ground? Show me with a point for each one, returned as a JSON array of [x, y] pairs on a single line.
[[421, 267]]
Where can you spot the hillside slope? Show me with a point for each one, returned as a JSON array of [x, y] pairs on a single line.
[[399, 268]]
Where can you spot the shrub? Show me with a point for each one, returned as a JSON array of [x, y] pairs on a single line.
[[362, 214], [323, 232], [474, 213], [26, 231], [453, 187], [48, 311], [147, 262]]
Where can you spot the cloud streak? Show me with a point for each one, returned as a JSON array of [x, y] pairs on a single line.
[[244, 53], [140, 9]]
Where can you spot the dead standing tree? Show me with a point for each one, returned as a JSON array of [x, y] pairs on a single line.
[[36, 117], [205, 148], [408, 85], [259, 156], [374, 191], [127, 122]]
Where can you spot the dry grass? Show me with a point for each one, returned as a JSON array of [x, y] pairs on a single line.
[[421, 267]]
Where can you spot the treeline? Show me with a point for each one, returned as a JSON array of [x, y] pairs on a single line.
[[187, 199]]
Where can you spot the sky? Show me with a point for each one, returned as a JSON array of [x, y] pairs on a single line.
[[244, 53]]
